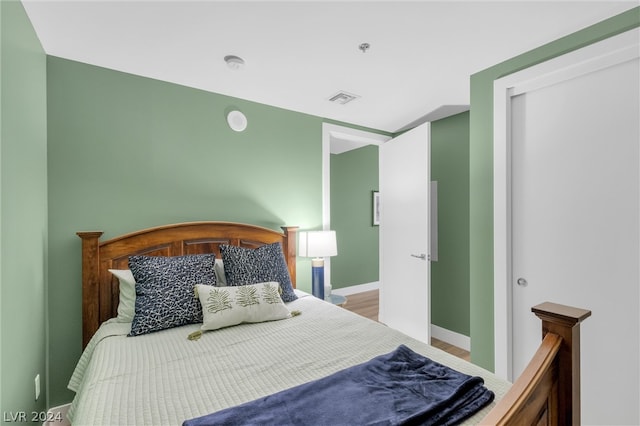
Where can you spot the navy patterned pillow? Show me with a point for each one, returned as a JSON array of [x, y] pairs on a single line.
[[164, 290], [251, 266]]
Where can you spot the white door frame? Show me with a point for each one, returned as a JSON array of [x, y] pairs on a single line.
[[614, 50], [332, 134]]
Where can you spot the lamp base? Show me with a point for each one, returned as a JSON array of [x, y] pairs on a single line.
[[317, 278]]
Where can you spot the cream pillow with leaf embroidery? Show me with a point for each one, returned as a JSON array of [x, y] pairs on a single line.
[[227, 306]]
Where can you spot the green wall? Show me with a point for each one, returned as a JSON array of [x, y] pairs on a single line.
[[354, 177], [127, 152], [450, 274], [481, 171], [23, 213]]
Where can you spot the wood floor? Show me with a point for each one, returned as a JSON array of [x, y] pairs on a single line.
[[366, 304]]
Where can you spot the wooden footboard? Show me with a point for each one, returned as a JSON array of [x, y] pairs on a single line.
[[548, 391]]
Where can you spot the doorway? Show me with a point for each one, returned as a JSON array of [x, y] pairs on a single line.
[[338, 140], [400, 152]]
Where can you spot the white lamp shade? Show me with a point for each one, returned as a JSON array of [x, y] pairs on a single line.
[[317, 244]]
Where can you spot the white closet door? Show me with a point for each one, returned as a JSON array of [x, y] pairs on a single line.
[[576, 227]]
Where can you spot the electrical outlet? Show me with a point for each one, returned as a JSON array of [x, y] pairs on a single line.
[[37, 380]]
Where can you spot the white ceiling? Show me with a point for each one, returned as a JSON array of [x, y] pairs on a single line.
[[300, 53]]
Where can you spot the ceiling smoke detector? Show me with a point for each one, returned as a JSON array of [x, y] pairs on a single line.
[[343, 98]]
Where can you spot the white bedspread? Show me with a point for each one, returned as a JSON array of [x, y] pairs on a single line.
[[164, 378]]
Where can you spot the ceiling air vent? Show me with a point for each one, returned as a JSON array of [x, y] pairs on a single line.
[[343, 98]]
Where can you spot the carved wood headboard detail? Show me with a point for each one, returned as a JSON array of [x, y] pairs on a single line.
[[100, 290]]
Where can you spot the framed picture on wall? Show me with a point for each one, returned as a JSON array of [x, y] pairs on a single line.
[[376, 208]]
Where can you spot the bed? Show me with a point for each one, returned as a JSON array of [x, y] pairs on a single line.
[[180, 373]]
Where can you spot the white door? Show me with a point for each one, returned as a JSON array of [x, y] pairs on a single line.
[[576, 227], [404, 233]]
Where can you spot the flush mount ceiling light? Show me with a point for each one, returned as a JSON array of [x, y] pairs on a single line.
[[237, 121], [234, 62]]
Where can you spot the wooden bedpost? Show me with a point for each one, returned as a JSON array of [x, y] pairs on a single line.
[[90, 284], [565, 322], [289, 249], [548, 390]]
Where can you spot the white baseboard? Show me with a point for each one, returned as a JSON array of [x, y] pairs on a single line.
[[451, 337], [346, 291], [448, 336], [58, 415]]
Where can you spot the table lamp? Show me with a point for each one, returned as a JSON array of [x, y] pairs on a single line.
[[318, 245]]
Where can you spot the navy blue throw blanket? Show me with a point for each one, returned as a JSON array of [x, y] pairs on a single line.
[[399, 388]]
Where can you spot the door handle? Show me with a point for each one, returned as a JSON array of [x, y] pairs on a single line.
[[420, 256]]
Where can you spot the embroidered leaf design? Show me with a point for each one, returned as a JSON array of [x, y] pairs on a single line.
[[247, 296], [218, 300], [271, 293]]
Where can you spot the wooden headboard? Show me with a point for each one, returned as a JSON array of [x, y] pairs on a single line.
[[100, 290]]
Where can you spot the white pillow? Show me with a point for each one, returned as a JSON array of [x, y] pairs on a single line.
[[221, 278], [127, 305], [232, 305]]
